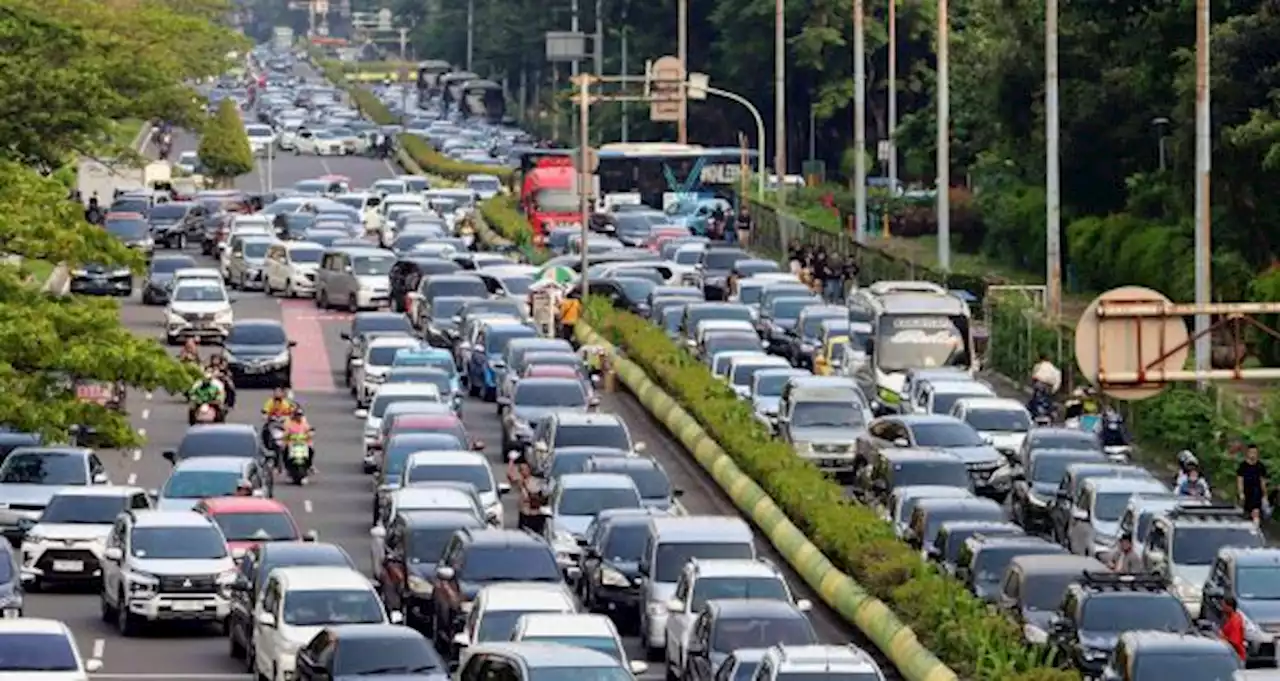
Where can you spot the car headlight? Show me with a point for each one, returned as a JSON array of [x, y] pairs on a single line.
[[224, 317], [1186, 590], [656, 609], [1034, 634], [467, 607], [1095, 655], [419, 585], [611, 577], [803, 448], [280, 358], [143, 582], [175, 318], [79, 273], [121, 272]]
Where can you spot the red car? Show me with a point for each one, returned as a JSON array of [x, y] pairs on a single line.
[[249, 521]]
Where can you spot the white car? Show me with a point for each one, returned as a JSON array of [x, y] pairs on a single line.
[[59, 657], [188, 162], [368, 372], [414, 184], [190, 274], [468, 467], [288, 138], [319, 142], [261, 138], [68, 542], [383, 224], [1004, 421], [199, 309], [485, 186], [297, 603], [579, 630], [388, 186], [291, 268], [498, 607]]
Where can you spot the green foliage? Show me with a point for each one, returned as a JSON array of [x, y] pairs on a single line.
[[972, 639], [224, 146]]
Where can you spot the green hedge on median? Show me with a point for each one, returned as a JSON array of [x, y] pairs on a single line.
[[970, 638], [503, 216]]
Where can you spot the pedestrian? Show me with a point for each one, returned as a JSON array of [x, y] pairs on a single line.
[[833, 281], [743, 226], [570, 310], [1126, 561], [93, 214], [1233, 626], [795, 256], [532, 494], [1251, 483]]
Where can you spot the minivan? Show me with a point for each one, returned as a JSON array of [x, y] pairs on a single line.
[[354, 278]]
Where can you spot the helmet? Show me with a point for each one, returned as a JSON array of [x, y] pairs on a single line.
[[1186, 458], [297, 410]]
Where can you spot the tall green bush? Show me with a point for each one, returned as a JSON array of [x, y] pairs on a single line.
[[224, 146]]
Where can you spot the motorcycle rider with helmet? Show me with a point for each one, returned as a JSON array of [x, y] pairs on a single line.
[[276, 410], [207, 392], [297, 429], [1186, 461]]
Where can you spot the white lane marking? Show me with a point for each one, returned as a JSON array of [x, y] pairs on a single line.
[[137, 455], [390, 168], [133, 479], [99, 646], [146, 414], [306, 505], [324, 164], [679, 507], [149, 396], [142, 432]]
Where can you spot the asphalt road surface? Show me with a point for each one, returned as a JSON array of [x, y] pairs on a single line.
[[336, 502]]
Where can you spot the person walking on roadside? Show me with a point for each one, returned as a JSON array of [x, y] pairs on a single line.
[[743, 226], [532, 496], [570, 310], [1233, 626], [93, 214], [1127, 561], [1251, 484]]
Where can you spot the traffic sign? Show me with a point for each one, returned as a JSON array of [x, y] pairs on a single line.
[[663, 85], [1127, 345]]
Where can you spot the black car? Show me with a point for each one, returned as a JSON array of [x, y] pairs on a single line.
[[217, 439], [364, 326], [804, 338], [95, 279], [714, 268], [251, 576], [951, 537], [1035, 486], [749, 267], [171, 222], [259, 351], [292, 226], [632, 228], [440, 318], [155, 288], [369, 651], [611, 580], [1033, 587], [409, 270], [414, 543], [474, 559], [1249, 576], [133, 231], [984, 558], [626, 293], [12, 439]]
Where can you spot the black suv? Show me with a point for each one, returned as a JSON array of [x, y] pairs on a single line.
[[1249, 576], [612, 548], [474, 559], [415, 542], [1104, 605]]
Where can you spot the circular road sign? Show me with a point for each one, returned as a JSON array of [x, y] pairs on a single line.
[[1127, 345]]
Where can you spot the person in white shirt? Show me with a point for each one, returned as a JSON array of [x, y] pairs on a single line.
[[1047, 375]]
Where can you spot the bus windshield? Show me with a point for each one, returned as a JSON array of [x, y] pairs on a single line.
[[922, 341]]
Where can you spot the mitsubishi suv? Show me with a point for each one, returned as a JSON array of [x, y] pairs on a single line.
[[165, 565]]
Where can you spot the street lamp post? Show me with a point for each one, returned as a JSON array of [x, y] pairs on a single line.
[[944, 140], [755, 114], [779, 99]]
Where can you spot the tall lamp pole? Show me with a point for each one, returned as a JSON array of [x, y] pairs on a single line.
[[893, 95], [859, 122], [1203, 152], [682, 53], [1053, 189], [944, 140], [780, 99]]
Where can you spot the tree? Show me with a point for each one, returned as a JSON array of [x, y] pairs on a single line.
[[73, 67], [224, 146]]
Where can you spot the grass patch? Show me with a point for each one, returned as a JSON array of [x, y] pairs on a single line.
[[39, 269], [126, 131]]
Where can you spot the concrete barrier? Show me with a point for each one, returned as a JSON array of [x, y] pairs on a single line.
[[871, 616]]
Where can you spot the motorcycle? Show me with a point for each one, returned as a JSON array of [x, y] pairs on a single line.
[[1041, 408], [206, 413], [298, 462], [273, 438]]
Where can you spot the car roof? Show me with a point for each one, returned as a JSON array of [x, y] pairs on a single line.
[[555, 624], [577, 418], [994, 403], [422, 518], [1262, 556], [221, 429], [408, 389], [257, 323], [622, 463], [431, 495], [33, 625], [158, 518], [526, 596], [1057, 564], [553, 655], [244, 505], [732, 567], [700, 528], [99, 491], [394, 340], [906, 455], [1055, 432], [595, 481], [744, 608], [235, 464], [1106, 485], [551, 380], [456, 458], [321, 578], [914, 419]]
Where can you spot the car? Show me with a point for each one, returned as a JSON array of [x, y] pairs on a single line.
[[802, 340], [1145, 508], [1073, 480], [741, 664], [474, 559], [32, 476], [189, 274], [382, 397], [1158, 655], [984, 558], [497, 607], [66, 545], [464, 467], [1045, 437], [252, 571], [1033, 586], [367, 325], [1036, 482], [577, 429], [766, 389], [534, 398], [945, 433], [905, 467], [372, 366], [579, 630], [486, 366], [165, 566], [612, 549], [952, 534], [362, 651], [249, 521], [527, 661], [815, 662], [217, 439], [208, 477], [198, 309], [576, 499], [727, 625], [290, 268], [1094, 526], [159, 277], [247, 263], [395, 454], [356, 278], [403, 418], [704, 581], [412, 548], [1004, 421], [1183, 544], [35, 648], [903, 502], [433, 358], [649, 476], [442, 379], [259, 351], [1245, 575], [929, 513]]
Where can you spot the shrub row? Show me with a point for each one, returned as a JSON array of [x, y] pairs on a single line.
[[503, 216], [972, 639]]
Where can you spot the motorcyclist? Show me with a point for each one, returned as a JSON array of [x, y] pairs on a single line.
[[218, 367], [386, 146], [190, 352], [207, 391], [1193, 485], [1113, 433], [93, 213], [279, 406], [297, 429], [1047, 375], [1186, 461]]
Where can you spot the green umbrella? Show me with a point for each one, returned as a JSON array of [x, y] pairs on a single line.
[[558, 274]]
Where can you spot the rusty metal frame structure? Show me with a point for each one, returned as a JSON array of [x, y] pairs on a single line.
[[1235, 316]]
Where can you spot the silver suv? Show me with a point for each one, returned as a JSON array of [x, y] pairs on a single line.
[[165, 565]]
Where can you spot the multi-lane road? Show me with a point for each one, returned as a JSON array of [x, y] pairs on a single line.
[[336, 503]]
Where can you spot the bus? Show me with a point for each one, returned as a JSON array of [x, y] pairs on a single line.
[[914, 325], [451, 85], [483, 99], [429, 73], [660, 174]]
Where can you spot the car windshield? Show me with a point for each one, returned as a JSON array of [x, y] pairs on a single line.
[[257, 334], [742, 373], [556, 201], [625, 543], [256, 249], [671, 318], [1043, 592], [1168, 664], [612, 436], [178, 543], [1050, 469], [565, 463], [771, 385], [380, 403], [44, 468], [718, 259], [510, 564], [378, 656], [258, 131], [601, 644], [716, 346], [580, 673], [991, 563], [200, 293], [999, 420], [734, 634], [637, 288], [651, 481], [1199, 545], [384, 355], [943, 472], [827, 415], [945, 435], [332, 606], [757, 588], [1085, 441], [789, 308], [306, 256], [168, 211], [484, 184], [588, 501], [77, 509], [1258, 583], [397, 454], [256, 526], [37, 652], [381, 323], [200, 484], [478, 476], [126, 228], [1125, 612], [442, 381], [812, 325], [922, 341], [372, 265], [550, 394], [497, 339], [826, 676], [445, 308], [1110, 506], [170, 265], [692, 256], [426, 545], [499, 625], [672, 556]]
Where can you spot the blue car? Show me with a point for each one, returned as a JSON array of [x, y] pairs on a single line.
[[696, 213], [432, 358], [486, 367]]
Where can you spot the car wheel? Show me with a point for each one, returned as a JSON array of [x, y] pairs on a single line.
[[125, 621], [352, 306], [234, 647], [322, 299], [108, 612], [251, 660]]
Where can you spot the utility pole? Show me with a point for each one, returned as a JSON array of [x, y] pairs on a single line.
[[599, 40], [780, 99], [404, 42], [471, 31], [860, 122], [1053, 185], [576, 27], [585, 171], [682, 52], [944, 140], [893, 95], [1203, 151], [626, 117]]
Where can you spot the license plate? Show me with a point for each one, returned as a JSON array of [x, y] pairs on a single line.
[[68, 566], [187, 606]]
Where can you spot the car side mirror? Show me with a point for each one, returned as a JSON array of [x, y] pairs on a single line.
[[345, 336], [504, 401], [477, 446], [677, 493], [293, 344], [266, 619], [361, 413], [934, 553], [444, 573], [636, 667], [395, 617], [460, 639], [1080, 514], [638, 447], [457, 319], [675, 605], [311, 536], [100, 479], [357, 363], [169, 455], [113, 553], [901, 442], [94, 665], [503, 488]]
